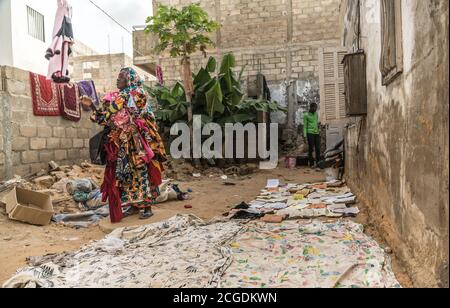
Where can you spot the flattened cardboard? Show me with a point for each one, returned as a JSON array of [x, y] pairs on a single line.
[[29, 206]]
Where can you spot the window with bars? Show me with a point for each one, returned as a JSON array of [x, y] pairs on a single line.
[[36, 26]]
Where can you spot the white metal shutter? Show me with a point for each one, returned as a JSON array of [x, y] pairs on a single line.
[[331, 80]]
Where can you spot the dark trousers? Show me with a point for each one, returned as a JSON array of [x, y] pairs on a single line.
[[313, 145]]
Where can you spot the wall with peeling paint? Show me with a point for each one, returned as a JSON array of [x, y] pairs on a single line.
[[397, 156]]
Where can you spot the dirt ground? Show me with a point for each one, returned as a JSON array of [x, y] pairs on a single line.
[[210, 198]]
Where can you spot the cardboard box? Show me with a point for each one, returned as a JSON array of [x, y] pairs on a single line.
[[29, 206]]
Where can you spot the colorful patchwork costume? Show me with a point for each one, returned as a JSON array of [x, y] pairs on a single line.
[[135, 149]]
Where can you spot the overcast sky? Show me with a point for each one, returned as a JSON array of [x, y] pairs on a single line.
[[92, 27]]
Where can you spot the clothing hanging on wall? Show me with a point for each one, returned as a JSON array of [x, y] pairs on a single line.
[[60, 49], [70, 103], [45, 95], [159, 75], [88, 94]]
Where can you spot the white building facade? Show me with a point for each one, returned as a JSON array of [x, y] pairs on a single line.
[[26, 33]]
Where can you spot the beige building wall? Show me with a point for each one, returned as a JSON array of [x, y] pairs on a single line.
[[81, 49], [397, 155], [103, 69], [279, 38], [29, 142]]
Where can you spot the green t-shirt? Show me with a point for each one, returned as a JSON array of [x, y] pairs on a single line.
[[311, 124]]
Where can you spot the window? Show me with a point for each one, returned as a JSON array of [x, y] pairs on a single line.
[[331, 79], [36, 27], [391, 63]]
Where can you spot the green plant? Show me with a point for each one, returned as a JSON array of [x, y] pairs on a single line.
[[217, 94], [217, 97], [182, 33], [171, 103]]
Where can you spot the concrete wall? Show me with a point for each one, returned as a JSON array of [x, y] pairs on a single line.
[[81, 49], [280, 38], [397, 156], [28, 142], [105, 75]]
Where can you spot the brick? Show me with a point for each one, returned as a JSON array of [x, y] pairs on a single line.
[[15, 129], [19, 87], [53, 121], [16, 158], [46, 156], [28, 131], [22, 103], [84, 154], [15, 74], [20, 117], [59, 132], [71, 132], [38, 143], [45, 131], [66, 143], [88, 124], [74, 154], [29, 157], [83, 133], [20, 143], [78, 143], [60, 155], [53, 143]]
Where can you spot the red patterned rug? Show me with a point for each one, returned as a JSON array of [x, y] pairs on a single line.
[[45, 95], [70, 102]]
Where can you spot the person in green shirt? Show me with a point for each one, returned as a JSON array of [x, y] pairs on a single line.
[[311, 133]]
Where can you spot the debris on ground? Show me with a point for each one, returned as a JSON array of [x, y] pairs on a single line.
[[333, 161], [75, 192], [28, 206], [294, 201], [184, 170], [184, 251]]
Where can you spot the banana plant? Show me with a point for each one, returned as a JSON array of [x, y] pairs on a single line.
[[217, 93], [172, 106], [217, 97]]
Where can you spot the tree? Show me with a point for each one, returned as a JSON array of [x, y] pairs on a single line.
[[182, 33], [217, 98]]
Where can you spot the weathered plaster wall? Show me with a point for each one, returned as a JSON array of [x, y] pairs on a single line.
[[397, 156]]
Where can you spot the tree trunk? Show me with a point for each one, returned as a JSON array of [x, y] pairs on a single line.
[[189, 89], [188, 85]]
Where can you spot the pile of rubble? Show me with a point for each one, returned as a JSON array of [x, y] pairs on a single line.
[[75, 194], [55, 183]]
